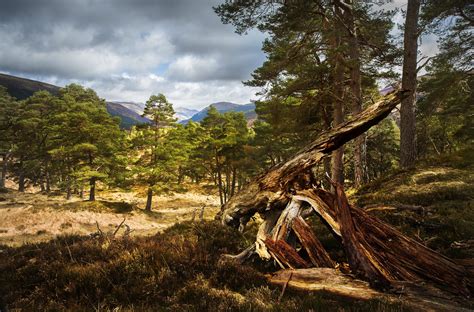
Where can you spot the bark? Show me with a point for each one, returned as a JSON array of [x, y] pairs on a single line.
[[92, 189], [407, 109], [3, 179], [325, 279], [219, 180], [376, 251], [410, 296], [48, 182], [21, 182], [274, 188], [356, 90], [285, 254], [68, 193], [337, 160], [149, 199], [316, 252]]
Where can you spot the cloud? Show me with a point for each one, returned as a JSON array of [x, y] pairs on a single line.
[[127, 50]]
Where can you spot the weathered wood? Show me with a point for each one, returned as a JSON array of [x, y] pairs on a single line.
[[325, 279], [331, 280], [360, 257], [286, 254], [376, 251], [396, 256], [275, 187], [316, 252], [282, 228]]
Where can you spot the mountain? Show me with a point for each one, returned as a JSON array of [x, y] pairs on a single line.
[[223, 107], [183, 113], [137, 107], [128, 117], [22, 88]]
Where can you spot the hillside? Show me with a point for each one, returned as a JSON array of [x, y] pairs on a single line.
[[433, 203], [223, 107], [22, 88]]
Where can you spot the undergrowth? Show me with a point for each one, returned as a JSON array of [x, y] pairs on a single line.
[[442, 191], [178, 270]]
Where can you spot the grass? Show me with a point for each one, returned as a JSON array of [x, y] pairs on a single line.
[[444, 188], [172, 271], [180, 268]]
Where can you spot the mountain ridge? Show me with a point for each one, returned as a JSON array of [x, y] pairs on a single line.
[[22, 88]]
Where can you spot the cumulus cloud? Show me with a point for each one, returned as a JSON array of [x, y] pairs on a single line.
[[127, 50]]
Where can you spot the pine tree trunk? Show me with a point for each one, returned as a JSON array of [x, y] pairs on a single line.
[[337, 161], [407, 110], [4, 170], [219, 180], [92, 189], [68, 193], [234, 180], [21, 181], [48, 182], [356, 92], [149, 199]]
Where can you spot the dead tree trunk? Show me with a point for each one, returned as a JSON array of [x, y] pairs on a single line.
[[376, 251]]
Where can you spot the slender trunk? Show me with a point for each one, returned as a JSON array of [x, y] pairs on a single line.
[[91, 181], [68, 192], [48, 182], [356, 92], [149, 199], [407, 109], [81, 192], [219, 179], [4, 170], [234, 179], [337, 162], [92, 189], [21, 179]]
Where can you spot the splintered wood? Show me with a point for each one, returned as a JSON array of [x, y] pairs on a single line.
[[376, 251]]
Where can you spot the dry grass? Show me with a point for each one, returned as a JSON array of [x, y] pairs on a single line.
[[33, 217], [177, 270]]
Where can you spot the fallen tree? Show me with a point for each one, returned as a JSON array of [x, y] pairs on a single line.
[[375, 251]]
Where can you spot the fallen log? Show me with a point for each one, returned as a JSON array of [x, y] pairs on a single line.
[[346, 286], [274, 188], [376, 251], [316, 252]]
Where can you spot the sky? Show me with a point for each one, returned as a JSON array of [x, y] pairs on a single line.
[[127, 50]]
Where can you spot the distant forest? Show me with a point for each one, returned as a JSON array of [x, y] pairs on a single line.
[[319, 72]]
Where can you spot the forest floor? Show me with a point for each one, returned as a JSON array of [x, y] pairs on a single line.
[[180, 268], [34, 217]]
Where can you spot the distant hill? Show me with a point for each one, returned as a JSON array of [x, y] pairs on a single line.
[[22, 88], [223, 107], [137, 107], [183, 113]]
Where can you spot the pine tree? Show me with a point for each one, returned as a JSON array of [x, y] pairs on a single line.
[[154, 166]]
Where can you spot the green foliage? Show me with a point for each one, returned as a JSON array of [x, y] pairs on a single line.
[[62, 140]]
